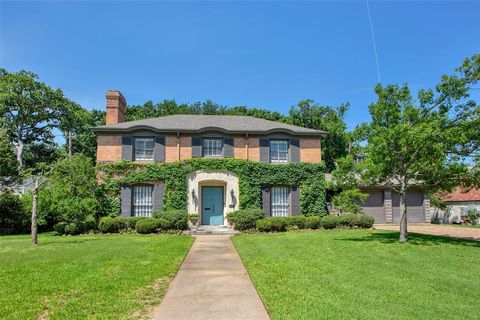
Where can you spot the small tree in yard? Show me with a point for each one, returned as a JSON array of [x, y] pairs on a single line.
[[428, 141]]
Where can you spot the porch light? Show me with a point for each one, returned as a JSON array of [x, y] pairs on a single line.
[[193, 194], [232, 194]]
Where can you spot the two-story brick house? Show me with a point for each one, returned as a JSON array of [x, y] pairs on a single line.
[[181, 137]]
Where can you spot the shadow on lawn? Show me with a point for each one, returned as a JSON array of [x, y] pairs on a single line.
[[413, 239]]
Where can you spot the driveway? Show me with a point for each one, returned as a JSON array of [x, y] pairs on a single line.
[[212, 284], [437, 230]]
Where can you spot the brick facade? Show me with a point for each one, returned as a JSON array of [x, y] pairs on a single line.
[[109, 148], [310, 150], [240, 148]]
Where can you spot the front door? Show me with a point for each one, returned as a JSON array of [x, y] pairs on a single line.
[[212, 205]]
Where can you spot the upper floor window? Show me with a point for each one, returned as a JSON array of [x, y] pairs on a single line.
[[278, 151], [144, 149], [142, 201], [212, 147]]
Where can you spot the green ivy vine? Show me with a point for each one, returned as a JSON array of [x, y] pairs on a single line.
[[252, 176]]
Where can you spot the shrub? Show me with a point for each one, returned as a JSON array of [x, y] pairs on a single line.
[[13, 216], [231, 215], [89, 223], [60, 227], [348, 201], [273, 224], [330, 222], [247, 218], [152, 225], [365, 221], [121, 223], [295, 221], [108, 225], [177, 218], [313, 222], [73, 228], [348, 220], [132, 221]]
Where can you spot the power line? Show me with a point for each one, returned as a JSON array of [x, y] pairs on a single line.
[[373, 41]]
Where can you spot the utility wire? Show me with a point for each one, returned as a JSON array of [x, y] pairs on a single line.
[[373, 41]]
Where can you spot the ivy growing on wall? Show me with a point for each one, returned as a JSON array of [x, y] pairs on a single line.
[[252, 176]]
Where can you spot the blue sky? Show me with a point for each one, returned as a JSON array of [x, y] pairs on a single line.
[[259, 54]]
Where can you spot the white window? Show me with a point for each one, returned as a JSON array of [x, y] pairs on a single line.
[[142, 201], [212, 147], [144, 149], [279, 201], [278, 151]]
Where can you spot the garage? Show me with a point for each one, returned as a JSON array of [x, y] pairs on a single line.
[[373, 205], [415, 210]]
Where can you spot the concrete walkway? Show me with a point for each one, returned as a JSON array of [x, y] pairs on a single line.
[[437, 230], [212, 284]]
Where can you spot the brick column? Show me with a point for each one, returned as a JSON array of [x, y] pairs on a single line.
[[427, 208], [387, 198]]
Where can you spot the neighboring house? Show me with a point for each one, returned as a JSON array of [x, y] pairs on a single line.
[[18, 188], [459, 203], [174, 138]]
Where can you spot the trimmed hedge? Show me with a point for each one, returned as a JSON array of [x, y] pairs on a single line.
[[132, 221], [313, 222], [273, 224], [246, 219], [73, 228], [178, 218], [108, 225], [152, 225], [295, 221], [365, 221], [330, 222]]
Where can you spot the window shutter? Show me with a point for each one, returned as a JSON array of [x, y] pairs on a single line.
[[294, 150], [264, 150], [266, 201], [158, 197], [294, 201], [196, 147], [228, 148], [159, 155], [127, 153], [125, 201]]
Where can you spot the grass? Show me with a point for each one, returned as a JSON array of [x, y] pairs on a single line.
[[363, 275], [86, 277]]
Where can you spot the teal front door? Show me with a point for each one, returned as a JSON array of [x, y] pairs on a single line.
[[212, 205]]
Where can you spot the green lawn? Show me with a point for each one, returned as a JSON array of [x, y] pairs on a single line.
[[86, 277], [363, 275]]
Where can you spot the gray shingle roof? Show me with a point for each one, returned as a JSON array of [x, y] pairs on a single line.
[[199, 123]]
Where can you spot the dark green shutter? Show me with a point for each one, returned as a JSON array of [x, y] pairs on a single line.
[[158, 197], [266, 200], [264, 150], [125, 201], [294, 201], [228, 148], [127, 153], [159, 149], [294, 150]]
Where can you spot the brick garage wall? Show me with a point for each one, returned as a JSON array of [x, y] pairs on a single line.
[[239, 145], [310, 150], [109, 148], [254, 148]]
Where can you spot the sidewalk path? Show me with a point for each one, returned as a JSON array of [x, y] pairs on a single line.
[[437, 230], [212, 283]]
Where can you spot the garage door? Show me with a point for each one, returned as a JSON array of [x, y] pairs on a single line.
[[373, 205], [415, 211]]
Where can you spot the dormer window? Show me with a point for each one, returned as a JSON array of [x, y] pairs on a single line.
[[144, 149], [212, 147], [279, 151]]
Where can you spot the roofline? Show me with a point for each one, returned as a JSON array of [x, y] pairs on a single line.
[[201, 130]]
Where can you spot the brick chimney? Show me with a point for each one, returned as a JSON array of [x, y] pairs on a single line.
[[115, 107]]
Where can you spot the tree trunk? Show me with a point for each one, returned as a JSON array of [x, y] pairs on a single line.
[[34, 213], [403, 214], [69, 145], [19, 148]]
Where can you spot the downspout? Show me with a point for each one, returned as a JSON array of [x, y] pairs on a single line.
[[178, 145], [246, 146]]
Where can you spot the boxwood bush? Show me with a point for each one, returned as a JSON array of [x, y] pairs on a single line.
[[152, 225], [365, 221], [295, 221], [313, 222], [178, 218], [108, 225], [348, 220], [272, 224], [73, 228], [330, 222], [246, 219], [130, 222]]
